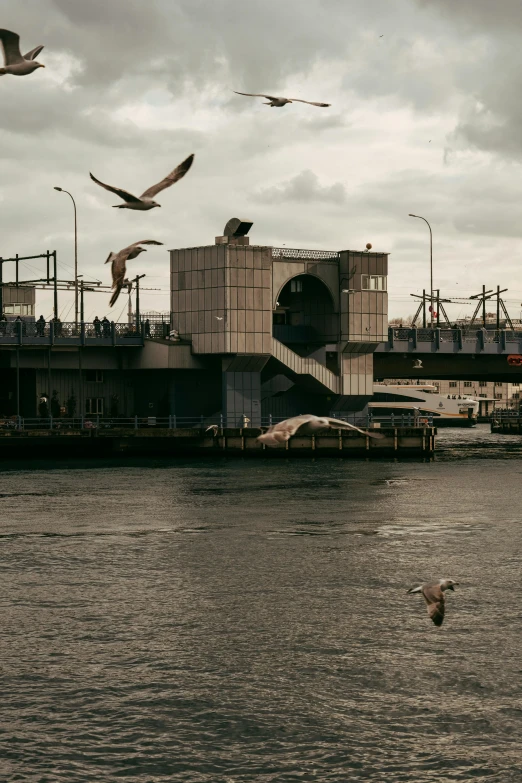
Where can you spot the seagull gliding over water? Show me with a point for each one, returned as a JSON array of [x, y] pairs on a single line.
[[433, 594], [306, 424]]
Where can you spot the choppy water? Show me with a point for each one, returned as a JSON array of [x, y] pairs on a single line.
[[247, 620]]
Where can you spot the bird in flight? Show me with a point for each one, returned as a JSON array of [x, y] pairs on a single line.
[[306, 425], [146, 200], [119, 260], [15, 63], [433, 594], [273, 101]]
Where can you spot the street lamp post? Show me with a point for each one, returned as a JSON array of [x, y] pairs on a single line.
[[431, 266], [61, 190]]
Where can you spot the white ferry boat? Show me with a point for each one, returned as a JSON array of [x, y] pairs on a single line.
[[423, 400]]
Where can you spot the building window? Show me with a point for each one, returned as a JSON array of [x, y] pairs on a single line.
[[498, 383], [373, 282], [515, 384], [296, 286], [498, 396], [483, 395], [94, 376], [453, 384], [94, 406], [515, 396], [483, 383], [468, 384]]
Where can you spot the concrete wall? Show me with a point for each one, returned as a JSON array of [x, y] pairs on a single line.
[[220, 298]]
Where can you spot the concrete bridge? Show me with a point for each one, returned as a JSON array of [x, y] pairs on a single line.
[[446, 354]]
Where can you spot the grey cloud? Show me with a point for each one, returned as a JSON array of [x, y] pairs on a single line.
[[304, 187]]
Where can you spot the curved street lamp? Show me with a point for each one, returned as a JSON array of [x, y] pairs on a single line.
[[61, 190], [431, 265]]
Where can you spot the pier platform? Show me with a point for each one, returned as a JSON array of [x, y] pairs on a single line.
[[35, 444]]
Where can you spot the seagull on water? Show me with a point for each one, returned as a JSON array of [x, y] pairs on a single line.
[[307, 425], [15, 63], [146, 200], [417, 364], [433, 594], [273, 101], [119, 260]]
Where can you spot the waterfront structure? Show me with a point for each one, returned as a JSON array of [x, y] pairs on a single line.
[[254, 331]]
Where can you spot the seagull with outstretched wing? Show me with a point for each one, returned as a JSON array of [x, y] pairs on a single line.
[[118, 263], [307, 425], [273, 101], [433, 594], [16, 63], [146, 200]]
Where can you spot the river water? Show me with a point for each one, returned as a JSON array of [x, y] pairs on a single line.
[[241, 621]]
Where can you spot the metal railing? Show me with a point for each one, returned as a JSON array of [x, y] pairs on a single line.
[[94, 422], [312, 255], [453, 335], [49, 333]]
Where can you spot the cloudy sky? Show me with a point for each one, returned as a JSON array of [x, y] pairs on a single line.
[[425, 118]]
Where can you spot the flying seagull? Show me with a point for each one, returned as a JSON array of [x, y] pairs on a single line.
[[15, 63], [433, 594], [145, 201], [273, 101], [307, 425], [118, 261], [213, 428]]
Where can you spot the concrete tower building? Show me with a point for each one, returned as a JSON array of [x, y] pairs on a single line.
[[291, 330]]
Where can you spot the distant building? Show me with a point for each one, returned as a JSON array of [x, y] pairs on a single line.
[[17, 301]]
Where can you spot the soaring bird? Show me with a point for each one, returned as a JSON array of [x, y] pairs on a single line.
[[119, 260], [273, 101], [307, 425], [15, 63], [433, 594], [145, 201]]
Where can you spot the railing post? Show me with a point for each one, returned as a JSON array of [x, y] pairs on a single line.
[[392, 420], [391, 336], [413, 335], [437, 339], [82, 333], [135, 422], [459, 339], [113, 332]]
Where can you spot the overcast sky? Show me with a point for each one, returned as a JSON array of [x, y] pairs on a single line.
[[426, 117]]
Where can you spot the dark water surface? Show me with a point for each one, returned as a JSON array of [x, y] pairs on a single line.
[[247, 620]]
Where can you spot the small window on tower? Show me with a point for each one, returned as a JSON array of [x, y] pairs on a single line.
[[296, 286]]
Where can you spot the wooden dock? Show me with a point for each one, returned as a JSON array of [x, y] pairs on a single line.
[[507, 426], [35, 444]]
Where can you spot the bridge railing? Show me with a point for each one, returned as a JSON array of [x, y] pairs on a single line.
[[89, 422], [453, 335], [69, 333]]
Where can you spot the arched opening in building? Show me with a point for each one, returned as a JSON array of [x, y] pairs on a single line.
[[305, 314]]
